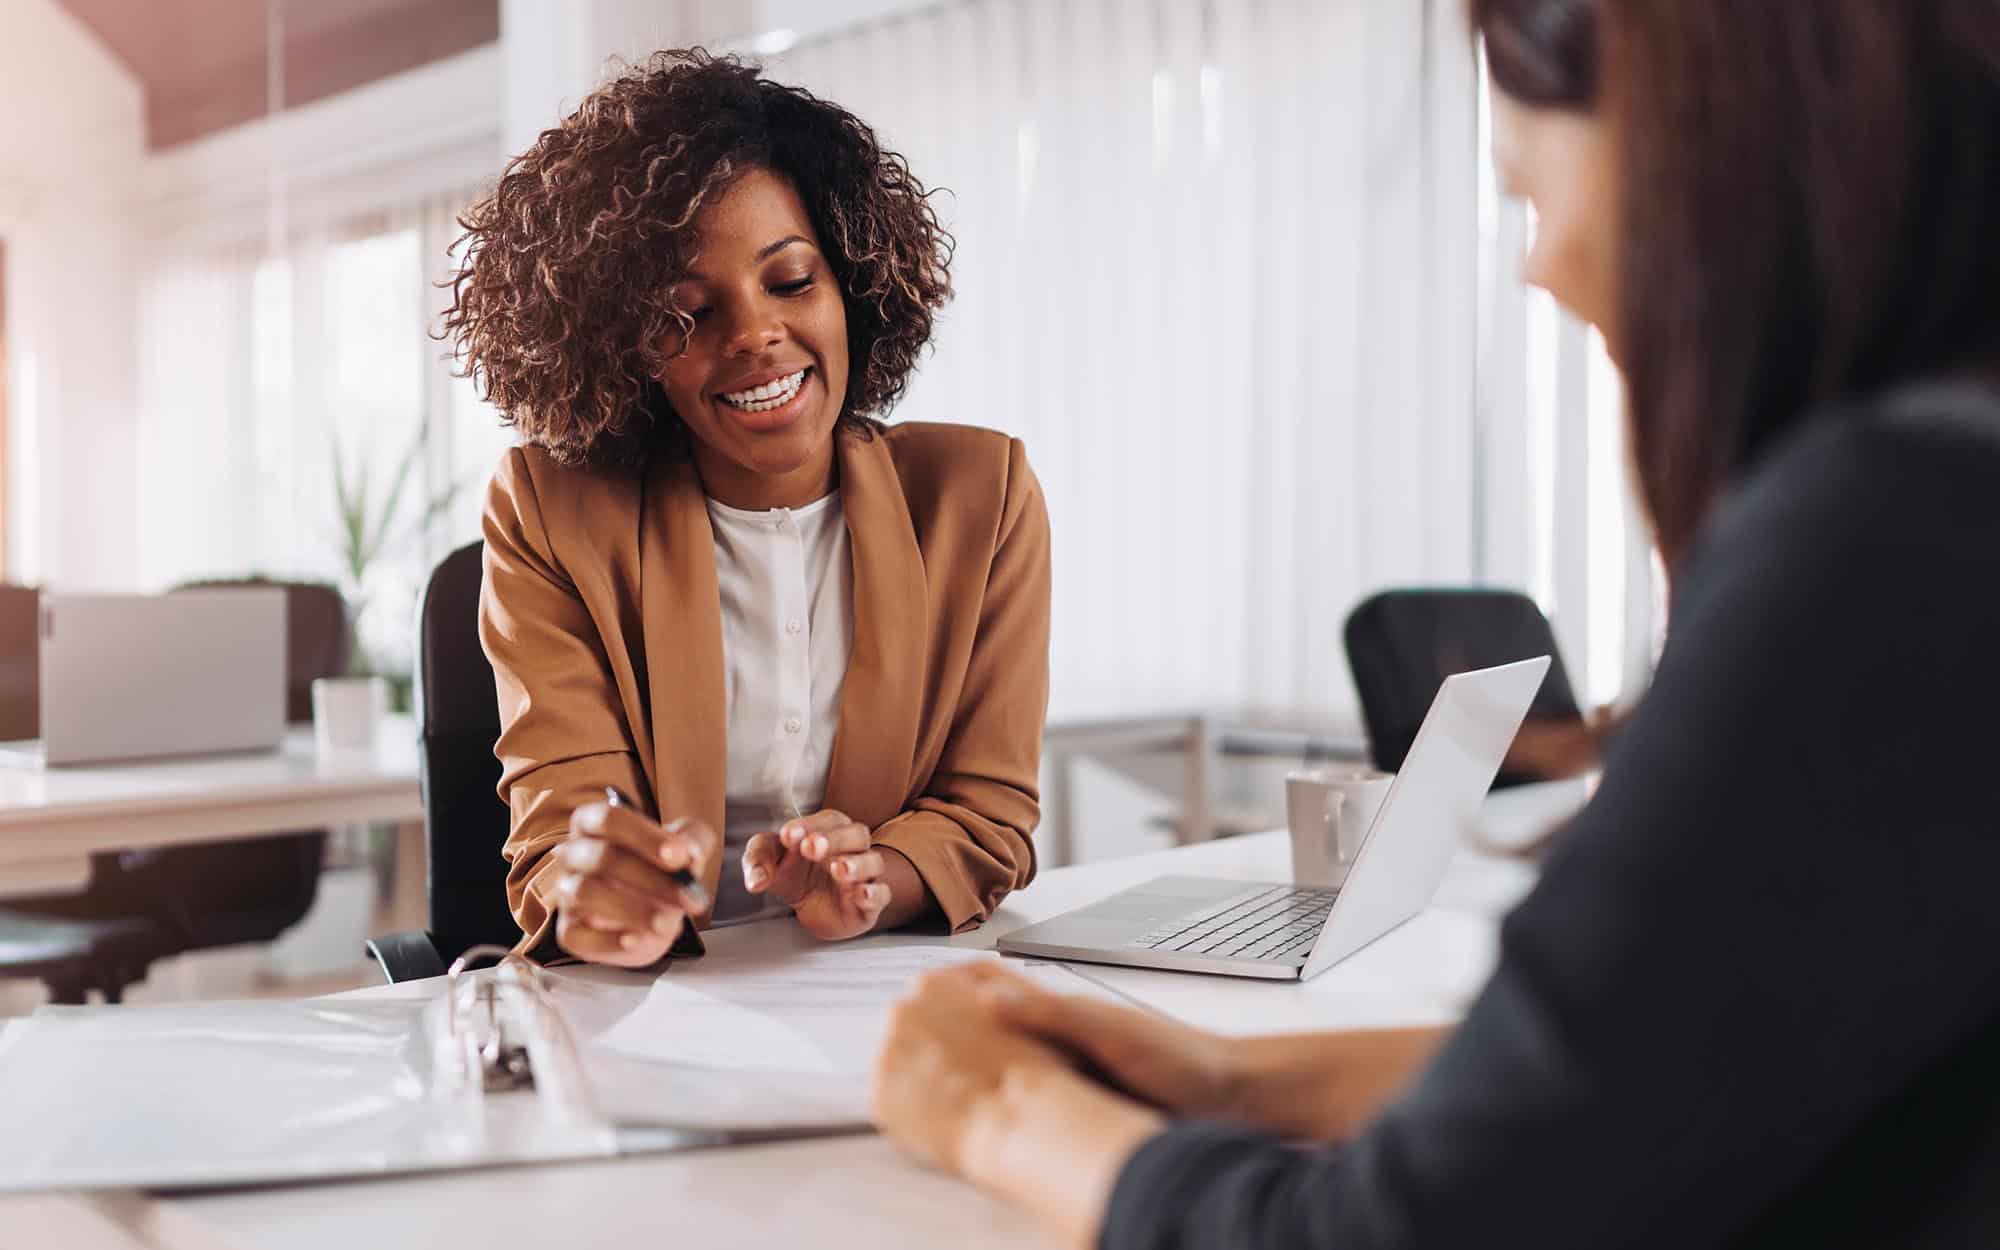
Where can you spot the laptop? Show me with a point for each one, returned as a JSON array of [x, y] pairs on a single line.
[[127, 677], [1291, 933]]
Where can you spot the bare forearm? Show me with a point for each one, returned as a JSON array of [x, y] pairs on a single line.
[[1054, 1144], [1324, 1086]]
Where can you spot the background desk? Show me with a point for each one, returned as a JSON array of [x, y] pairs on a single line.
[[860, 1192], [52, 820]]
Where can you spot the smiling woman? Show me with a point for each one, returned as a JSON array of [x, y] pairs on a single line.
[[594, 261], [814, 648], [758, 374]]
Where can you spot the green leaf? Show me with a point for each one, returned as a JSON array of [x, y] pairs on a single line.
[[349, 502], [411, 457], [366, 533]]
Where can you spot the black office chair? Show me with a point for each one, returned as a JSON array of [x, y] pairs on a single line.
[[73, 957], [465, 823], [20, 663], [1402, 644], [140, 906]]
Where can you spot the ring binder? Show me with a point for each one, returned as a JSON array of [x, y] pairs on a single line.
[[504, 1034], [502, 1064]]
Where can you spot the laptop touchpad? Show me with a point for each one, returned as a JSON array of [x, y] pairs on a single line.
[[1164, 899]]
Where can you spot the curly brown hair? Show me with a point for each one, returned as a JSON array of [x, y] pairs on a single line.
[[561, 309]]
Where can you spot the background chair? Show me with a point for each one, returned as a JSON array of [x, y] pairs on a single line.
[[20, 663], [1402, 644], [70, 956], [465, 823], [251, 889], [140, 906]]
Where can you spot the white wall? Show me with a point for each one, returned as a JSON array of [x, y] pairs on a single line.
[[555, 53], [805, 19], [72, 132]]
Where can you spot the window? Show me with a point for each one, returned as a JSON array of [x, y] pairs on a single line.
[[299, 422]]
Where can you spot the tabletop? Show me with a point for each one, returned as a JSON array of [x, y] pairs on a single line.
[[62, 815], [860, 1191]]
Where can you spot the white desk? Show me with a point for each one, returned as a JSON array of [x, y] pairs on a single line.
[[860, 1192], [52, 820]]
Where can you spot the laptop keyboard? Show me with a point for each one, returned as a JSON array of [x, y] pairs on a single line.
[[1263, 922]]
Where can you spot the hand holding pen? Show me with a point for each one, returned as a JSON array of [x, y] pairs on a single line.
[[626, 884]]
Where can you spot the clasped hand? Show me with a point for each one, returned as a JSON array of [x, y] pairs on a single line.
[[1042, 1097], [969, 1040], [982, 1074]]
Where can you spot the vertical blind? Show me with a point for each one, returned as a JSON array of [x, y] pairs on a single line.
[[1217, 267]]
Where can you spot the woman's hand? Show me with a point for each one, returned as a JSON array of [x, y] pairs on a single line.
[[1552, 748], [1000, 1108], [1316, 1086], [942, 1064], [827, 869], [1169, 1065], [616, 902]]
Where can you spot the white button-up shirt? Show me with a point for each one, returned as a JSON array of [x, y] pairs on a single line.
[[787, 582]]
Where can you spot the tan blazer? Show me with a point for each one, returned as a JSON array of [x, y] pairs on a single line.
[[601, 616]]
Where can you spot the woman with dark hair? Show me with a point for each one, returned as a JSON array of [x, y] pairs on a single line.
[[757, 652], [1753, 1000]]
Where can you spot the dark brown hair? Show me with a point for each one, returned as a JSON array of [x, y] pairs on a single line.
[[1541, 52], [1810, 212], [561, 310]]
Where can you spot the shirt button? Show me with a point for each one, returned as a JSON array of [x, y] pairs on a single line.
[[793, 626], [793, 724]]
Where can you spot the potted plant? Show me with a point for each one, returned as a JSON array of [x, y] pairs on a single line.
[[371, 532]]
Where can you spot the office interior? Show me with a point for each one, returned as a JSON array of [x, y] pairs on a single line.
[[1238, 275]]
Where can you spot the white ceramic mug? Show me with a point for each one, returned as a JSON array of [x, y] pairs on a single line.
[[1329, 810], [345, 712]]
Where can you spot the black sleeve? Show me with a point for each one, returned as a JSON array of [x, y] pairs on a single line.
[[1774, 915]]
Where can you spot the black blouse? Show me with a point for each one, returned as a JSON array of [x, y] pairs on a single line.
[[1755, 998]]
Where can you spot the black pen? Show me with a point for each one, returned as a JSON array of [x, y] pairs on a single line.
[[681, 877]]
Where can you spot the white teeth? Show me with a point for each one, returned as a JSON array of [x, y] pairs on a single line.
[[774, 394]]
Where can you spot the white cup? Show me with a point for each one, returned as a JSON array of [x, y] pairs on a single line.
[[345, 712], [1329, 810]]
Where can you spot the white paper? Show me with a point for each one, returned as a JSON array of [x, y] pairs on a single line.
[[818, 1012]]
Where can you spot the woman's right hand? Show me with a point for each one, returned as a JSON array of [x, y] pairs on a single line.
[[1178, 1069], [616, 902]]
